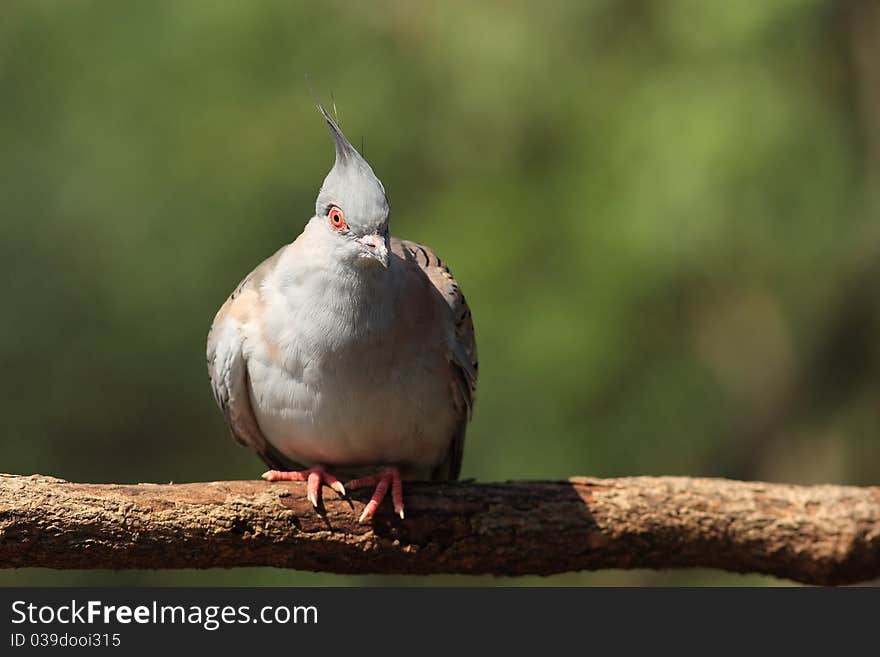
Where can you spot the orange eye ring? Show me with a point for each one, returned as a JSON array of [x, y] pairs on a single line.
[[337, 218]]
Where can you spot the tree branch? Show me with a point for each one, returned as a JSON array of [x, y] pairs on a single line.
[[812, 534]]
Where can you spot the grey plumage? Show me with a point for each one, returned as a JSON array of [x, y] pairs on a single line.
[[321, 357]]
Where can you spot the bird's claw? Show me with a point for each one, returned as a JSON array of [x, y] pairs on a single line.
[[313, 477], [391, 477]]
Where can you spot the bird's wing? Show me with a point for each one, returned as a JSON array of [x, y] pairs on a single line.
[[227, 365], [462, 346]]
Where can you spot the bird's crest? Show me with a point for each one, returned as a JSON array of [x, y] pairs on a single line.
[[351, 180]]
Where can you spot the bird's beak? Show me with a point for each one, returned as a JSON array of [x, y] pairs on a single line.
[[373, 246]]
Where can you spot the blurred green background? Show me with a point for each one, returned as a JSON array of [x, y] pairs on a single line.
[[665, 216]]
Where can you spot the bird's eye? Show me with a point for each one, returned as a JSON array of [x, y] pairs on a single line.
[[337, 219]]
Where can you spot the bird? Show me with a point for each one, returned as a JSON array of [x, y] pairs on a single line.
[[348, 353]]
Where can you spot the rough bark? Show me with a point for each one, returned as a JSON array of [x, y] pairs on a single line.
[[815, 534]]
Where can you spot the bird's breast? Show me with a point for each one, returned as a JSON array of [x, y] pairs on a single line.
[[345, 382]]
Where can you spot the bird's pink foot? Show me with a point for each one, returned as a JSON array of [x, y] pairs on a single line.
[[314, 477], [391, 477]]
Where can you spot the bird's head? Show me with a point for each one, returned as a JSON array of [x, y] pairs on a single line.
[[352, 207]]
